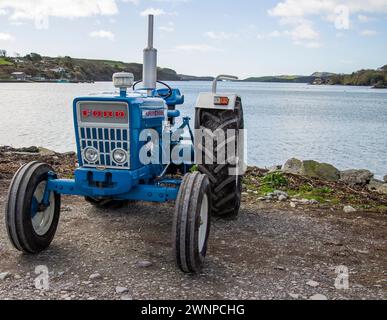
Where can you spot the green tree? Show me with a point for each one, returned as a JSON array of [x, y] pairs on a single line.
[[34, 57]]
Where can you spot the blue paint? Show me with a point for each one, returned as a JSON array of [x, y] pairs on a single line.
[[34, 207], [140, 182]]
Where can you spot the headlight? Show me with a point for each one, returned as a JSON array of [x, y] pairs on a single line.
[[91, 155], [120, 156]]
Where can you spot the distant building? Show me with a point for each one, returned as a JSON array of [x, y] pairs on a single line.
[[58, 70], [19, 76]]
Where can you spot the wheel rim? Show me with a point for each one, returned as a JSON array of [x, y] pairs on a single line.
[[203, 223], [42, 219]]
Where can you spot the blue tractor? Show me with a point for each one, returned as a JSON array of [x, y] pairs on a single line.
[[118, 163]]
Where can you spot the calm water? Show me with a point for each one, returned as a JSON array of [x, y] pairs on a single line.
[[345, 126]]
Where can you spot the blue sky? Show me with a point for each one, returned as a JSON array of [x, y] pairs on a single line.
[[202, 37]]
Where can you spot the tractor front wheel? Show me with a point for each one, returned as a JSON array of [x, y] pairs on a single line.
[[191, 227], [30, 223]]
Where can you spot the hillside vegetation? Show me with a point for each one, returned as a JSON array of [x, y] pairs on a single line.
[[39, 68], [362, 78]]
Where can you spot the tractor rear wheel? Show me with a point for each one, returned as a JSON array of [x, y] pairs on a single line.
[[31, 225], [226, 187], [106, 203], [191, 226]]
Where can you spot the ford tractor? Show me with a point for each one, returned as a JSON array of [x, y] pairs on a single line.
[[119, 138]]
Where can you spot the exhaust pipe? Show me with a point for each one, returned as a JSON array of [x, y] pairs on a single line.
[[149, 75]]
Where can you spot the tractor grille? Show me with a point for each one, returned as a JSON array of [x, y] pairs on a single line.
[[105, 140]]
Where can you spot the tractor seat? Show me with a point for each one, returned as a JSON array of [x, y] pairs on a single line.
[[175, 99]]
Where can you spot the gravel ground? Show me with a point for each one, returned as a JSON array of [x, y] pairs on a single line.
[[268, 253]]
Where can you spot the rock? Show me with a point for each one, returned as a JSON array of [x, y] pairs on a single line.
[[293, 205], [292, 166], [294, 296], [312, 284], [349, 209], [144, 264], [282, 198], [318, 297], [378, 186], [46, 152], [29, 150], [95, 276], [278, 193], [4, 275], [323, 171], [385, 179], [305, 201], [126, 298], [312, 169], [356, 177], [121, 290], [280, 268], [274, 169]]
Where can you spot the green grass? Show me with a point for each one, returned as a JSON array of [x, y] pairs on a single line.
[[4, 62], [311, 193], [277, 181]]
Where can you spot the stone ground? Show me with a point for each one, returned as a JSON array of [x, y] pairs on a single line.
[[270, 252]]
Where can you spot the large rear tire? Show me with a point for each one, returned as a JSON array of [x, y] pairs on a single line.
[[226, 188], [31, 226], [192, 223]]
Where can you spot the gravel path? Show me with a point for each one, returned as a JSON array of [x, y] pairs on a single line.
[[269, 253]]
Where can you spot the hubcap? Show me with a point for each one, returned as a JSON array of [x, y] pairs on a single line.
[[42, 217], [203, 223]]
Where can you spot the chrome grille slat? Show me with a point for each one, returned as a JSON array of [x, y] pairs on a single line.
[[105, 159]]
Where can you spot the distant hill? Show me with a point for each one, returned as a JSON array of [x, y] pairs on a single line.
[[39, 68], [370, 77], [282, 79], [322, 74], [376, 78]]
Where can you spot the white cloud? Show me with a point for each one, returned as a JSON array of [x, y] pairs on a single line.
[[302, 8], [368, 33], [103, 35], [297, 14], [221, 35], [197, 47], [364, 19], [155, 12], [168, 28], [303, 31], [135, 2], [36, 9], [6, 37], [273, 34]]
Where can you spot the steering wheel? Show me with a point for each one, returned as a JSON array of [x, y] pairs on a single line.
[[164, 96]]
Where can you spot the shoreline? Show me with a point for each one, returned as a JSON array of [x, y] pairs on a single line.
[[296, 183], [208, 81]]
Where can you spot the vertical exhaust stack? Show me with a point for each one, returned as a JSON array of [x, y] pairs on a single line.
[[150, 60]]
